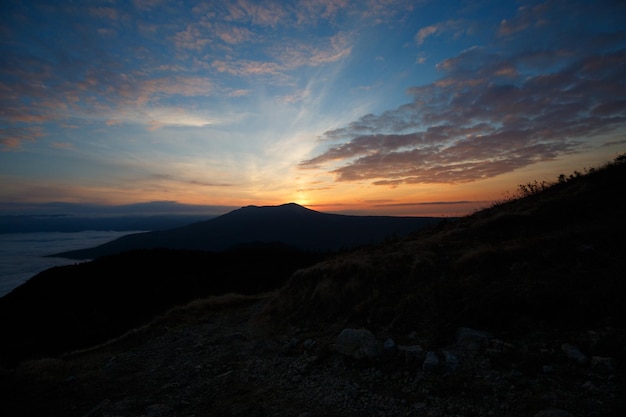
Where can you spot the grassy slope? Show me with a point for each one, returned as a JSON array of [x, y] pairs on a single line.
[[551, 263], [552, 259], [76, 306]]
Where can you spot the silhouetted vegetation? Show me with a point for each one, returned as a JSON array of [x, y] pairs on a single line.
[[551, 258], [72, 307]]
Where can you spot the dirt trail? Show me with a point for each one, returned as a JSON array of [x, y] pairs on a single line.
[[213, 359]]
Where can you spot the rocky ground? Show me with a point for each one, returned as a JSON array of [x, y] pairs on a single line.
[[544, 274], [214, 358]]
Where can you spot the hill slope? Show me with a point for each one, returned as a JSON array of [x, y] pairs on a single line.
[[541, 278], [76, 306], [552, 258], [288, 224]]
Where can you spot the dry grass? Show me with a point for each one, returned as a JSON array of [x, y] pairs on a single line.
[[184, 315], [550, 257]]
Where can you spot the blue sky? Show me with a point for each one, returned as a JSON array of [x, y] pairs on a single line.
[[372, 106]]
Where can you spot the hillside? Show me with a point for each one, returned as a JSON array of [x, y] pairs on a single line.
[[76, 306], [516, 310], [554, 258], [288, 224]]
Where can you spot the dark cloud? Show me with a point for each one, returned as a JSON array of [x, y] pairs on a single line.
[[77, 209], [531, 96], [194, 182], [429, 203]]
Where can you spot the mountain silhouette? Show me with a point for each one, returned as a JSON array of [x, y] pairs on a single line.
[[288, 224], [518, 303]]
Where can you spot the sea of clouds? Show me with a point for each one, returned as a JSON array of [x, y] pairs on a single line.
[[23, 255]]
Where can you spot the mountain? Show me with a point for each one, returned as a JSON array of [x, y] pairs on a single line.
[[35, 223], [287, 224], [75, 217], [516, 310]]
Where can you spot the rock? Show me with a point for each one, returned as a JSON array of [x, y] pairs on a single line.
[[548, 369], [292, 347], [471, 338], [233, 337], [431, 363], [589, 386], [390, 346], [554, 412], [412, 354], [573, 353], [157, 410], [308, 344], [501, 345], [604, 366], [358, 344], [451, 361]]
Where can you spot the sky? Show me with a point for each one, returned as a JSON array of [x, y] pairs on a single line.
[[400, 107]]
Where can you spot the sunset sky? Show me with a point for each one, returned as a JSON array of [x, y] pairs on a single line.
[[402, 107]]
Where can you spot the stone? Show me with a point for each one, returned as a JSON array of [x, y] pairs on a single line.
[[390, 346], [604, 366], [554, 412], [308, 344], [431, 363], [589, 386], [157, 410], [412, 354], [358, 344], [450, 360], [573, 353], [472, 338]]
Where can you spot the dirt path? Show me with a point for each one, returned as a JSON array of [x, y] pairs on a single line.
[[213, 359]]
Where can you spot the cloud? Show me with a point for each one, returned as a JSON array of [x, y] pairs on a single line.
[[296, 55], [284, 58], [233, 34], [174, 117], [297, 96], [495, 109], [383, 203], [12, 138], [104, 12], [382, 11], [147, 4], [310, 11], [424, 33], [188, 181], [239, 93], [527, 17], [456, 26], [77, 72], [62, 145]]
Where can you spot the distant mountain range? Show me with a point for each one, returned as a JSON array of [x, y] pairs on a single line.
[[35, 223], [73, 217], [287, 224]]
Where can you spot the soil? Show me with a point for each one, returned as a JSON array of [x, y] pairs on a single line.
[[216, 359]]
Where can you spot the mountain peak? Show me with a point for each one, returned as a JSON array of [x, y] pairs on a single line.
[[285, 206]]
